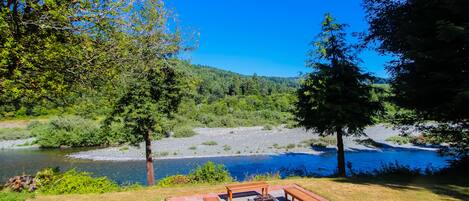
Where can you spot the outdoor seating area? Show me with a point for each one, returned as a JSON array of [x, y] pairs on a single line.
[[256, 191]]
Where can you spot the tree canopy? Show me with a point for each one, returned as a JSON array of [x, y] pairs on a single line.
[[430, 75], [50, 48]]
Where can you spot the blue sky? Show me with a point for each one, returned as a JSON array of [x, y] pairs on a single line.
[[267, 37]]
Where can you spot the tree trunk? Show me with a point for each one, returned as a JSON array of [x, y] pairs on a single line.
[[150, 170], [340, 153]]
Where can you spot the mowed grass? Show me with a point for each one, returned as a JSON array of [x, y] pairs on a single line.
[[424, 189]]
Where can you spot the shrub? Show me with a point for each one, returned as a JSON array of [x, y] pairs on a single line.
[[210, 173], [161, 154], [395, 170], [14, 133], [391, 171], [71, 131], [45, 177], [321, 141], [290, 146], [277, 146], [116, 133], [400, 140], [368, 142], [456, 172], [174, 180], [264, 177], [124, 148], [78, 182], [267, 127], [210, 143], [192, 148], [291, 125], [33, 124], [226, 147], [184, 131]]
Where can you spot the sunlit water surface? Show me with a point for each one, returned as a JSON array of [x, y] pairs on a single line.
[[15, 162]]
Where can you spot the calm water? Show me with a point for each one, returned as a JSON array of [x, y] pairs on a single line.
[[14, 162]]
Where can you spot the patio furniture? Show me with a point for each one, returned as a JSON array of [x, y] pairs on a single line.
[[243, 187], [299, 193], [211, 199]]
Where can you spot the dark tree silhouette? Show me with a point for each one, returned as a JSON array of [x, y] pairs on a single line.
[[431, 73]]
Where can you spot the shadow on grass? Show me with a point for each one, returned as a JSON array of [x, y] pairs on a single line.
[[457, 188]]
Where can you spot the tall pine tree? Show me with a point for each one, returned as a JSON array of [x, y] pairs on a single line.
[[336, 96]]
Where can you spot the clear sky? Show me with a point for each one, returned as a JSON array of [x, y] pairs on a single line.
[[267, 37]]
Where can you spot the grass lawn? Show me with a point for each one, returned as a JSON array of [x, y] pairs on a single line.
[[424, 189]]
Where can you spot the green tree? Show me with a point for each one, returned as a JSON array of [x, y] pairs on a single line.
[[336, 96], [50, 48], [430, 75], [154, 87]]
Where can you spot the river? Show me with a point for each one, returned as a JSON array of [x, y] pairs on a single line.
[[15, 162]]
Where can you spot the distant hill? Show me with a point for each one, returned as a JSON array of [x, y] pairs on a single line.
[[380, 80], [217, 83]]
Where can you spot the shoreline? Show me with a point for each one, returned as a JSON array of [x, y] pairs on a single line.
[[241, 141], [84, 157], [230, 142], [18, 144]]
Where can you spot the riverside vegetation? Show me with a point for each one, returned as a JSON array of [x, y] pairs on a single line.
[[449, 182], [112, 70]]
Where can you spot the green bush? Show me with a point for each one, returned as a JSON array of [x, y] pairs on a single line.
[[184, 131], [291, 124], [209, 143], [226, 147], [207, 173], [174, 180], [46, 176], [321, 141], [400, 140], [368, 142], [210, 173], [70, 131], [267, 127], [14, 133], [290, 146], [79, 183]]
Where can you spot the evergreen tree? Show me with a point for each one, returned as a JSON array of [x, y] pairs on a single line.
[[336, 96]]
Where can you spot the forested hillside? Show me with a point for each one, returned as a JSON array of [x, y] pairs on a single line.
[[215, 92], [213, 83], [219, 98]]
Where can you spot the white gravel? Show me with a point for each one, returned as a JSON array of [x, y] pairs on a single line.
[[235, 141], [17, 144]]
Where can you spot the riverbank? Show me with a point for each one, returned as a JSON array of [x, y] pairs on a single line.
[[18, 144], [243, 141], [422, 189]]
